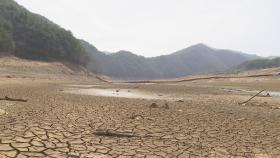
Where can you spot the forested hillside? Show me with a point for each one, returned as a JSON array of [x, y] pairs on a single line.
[[259, 64], [32, 36], [6, 37], [196, 59]]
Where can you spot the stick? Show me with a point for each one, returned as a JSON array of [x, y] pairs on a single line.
[[108, 133], [11, 99], [252, 97]]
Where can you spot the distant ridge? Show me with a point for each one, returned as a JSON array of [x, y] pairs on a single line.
[[197, 59]]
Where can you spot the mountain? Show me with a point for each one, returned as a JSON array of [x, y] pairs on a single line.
[[121, 65], [196, 59], [259, 64], [31, 36], [272, 57]]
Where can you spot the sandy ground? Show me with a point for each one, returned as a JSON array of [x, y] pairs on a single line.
[[191, 119]]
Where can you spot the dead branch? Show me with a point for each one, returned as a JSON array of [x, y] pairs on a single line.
[[12, 99], [251, 97], [108, 133]]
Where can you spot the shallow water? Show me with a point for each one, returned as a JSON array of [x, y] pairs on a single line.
[[121, 93], [271, 93], [275, 94], [81, 86]]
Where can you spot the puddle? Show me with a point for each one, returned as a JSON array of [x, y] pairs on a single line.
[[271, 93], [277, 94], [139, 83], [234, 90], [121, 93], [81, 86]]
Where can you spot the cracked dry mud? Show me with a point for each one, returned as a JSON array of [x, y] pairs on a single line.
[[208, 123]]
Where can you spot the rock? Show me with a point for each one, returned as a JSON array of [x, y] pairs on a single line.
[[166, 106], [240, 119], [2, 112], [154, 105], [137, 117], [180, 101]]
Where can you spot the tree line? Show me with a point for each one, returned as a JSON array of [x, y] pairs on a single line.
[[28, 35]]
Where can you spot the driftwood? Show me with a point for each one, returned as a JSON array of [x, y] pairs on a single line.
[[108, 133], [12, 99], [180, 101], [252, 97]]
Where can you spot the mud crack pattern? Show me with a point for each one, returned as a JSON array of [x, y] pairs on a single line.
[[55, 124]]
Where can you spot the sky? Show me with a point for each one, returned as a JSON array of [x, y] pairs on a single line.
[[158, 27]]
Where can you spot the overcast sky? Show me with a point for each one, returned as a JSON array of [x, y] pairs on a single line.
[[157, 27]]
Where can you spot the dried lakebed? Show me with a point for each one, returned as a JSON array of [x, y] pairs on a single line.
[[57, 124]]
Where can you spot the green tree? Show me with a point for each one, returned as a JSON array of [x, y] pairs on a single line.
[[35, 37], [6, 39]]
